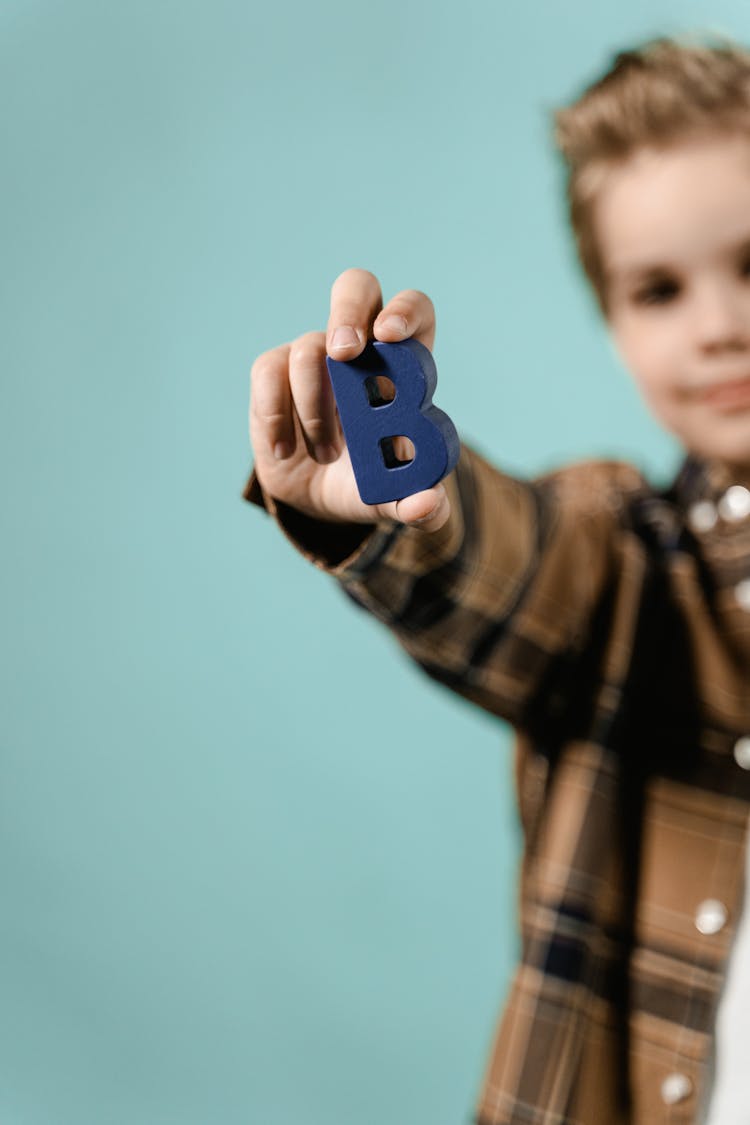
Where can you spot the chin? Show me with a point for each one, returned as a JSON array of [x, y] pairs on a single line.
[[728, 442], [731, 453]]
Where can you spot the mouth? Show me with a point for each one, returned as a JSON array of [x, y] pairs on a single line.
[[728, 395]]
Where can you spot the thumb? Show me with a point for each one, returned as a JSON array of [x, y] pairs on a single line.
[[427, 510]]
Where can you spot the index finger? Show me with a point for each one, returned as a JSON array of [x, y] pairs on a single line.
[[356, 299]]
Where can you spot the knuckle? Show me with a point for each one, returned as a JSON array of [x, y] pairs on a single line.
[[268, 396], [315, 428], [266, 403], [272, 420], [310, 340], [261, 367], [268, 365], [305, 353]]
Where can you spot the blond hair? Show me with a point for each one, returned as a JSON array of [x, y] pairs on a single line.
[[656, 94]]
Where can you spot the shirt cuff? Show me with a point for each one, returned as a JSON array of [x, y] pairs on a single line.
[[349, 549]]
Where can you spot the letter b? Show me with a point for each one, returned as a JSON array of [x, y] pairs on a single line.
[[370, 424]]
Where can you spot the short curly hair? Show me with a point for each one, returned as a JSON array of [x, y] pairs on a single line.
[[656, 94]]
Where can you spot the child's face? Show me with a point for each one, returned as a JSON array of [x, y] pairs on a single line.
[[673, 229]]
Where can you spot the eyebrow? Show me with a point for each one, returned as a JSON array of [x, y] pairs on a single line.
[[632, 271], [637, 269]]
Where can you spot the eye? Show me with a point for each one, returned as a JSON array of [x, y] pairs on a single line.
[[745, 266], [658, 292]]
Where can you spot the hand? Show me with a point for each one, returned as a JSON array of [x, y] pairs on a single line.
[[300, 454]]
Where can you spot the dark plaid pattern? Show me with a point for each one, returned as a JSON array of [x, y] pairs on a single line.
[[611, 626]]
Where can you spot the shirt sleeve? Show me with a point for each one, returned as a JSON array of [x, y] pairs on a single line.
[[504, 601]]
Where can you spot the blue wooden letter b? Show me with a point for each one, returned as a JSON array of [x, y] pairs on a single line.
[[370, 425]]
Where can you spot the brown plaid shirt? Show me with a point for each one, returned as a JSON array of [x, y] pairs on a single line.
[[609, 622]]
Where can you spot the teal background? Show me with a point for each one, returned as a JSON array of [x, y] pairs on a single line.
[[254, 868]]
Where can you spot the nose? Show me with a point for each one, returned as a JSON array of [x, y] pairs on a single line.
[[721, 317]]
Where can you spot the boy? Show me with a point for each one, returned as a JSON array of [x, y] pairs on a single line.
[[608, 621]]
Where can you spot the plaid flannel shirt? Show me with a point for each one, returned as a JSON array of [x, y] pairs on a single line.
[[609, 623]]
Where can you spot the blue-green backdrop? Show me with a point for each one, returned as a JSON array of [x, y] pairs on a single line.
[[254, 868]]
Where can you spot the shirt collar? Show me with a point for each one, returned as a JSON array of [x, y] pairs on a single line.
[[702, 480]]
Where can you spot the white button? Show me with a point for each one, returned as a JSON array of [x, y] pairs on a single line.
[[711, 916], [742, 593], [702, 515], [742, 752], [675, 1088], [735, 503]]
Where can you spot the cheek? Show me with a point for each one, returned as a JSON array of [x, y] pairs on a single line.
[[648, 353]]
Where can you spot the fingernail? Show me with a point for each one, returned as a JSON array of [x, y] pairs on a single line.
[[282, 450], [429, 516], [394, 324], [325, 454], [344, 337]]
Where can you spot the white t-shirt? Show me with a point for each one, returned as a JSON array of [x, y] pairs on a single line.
[[729, 1100]]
